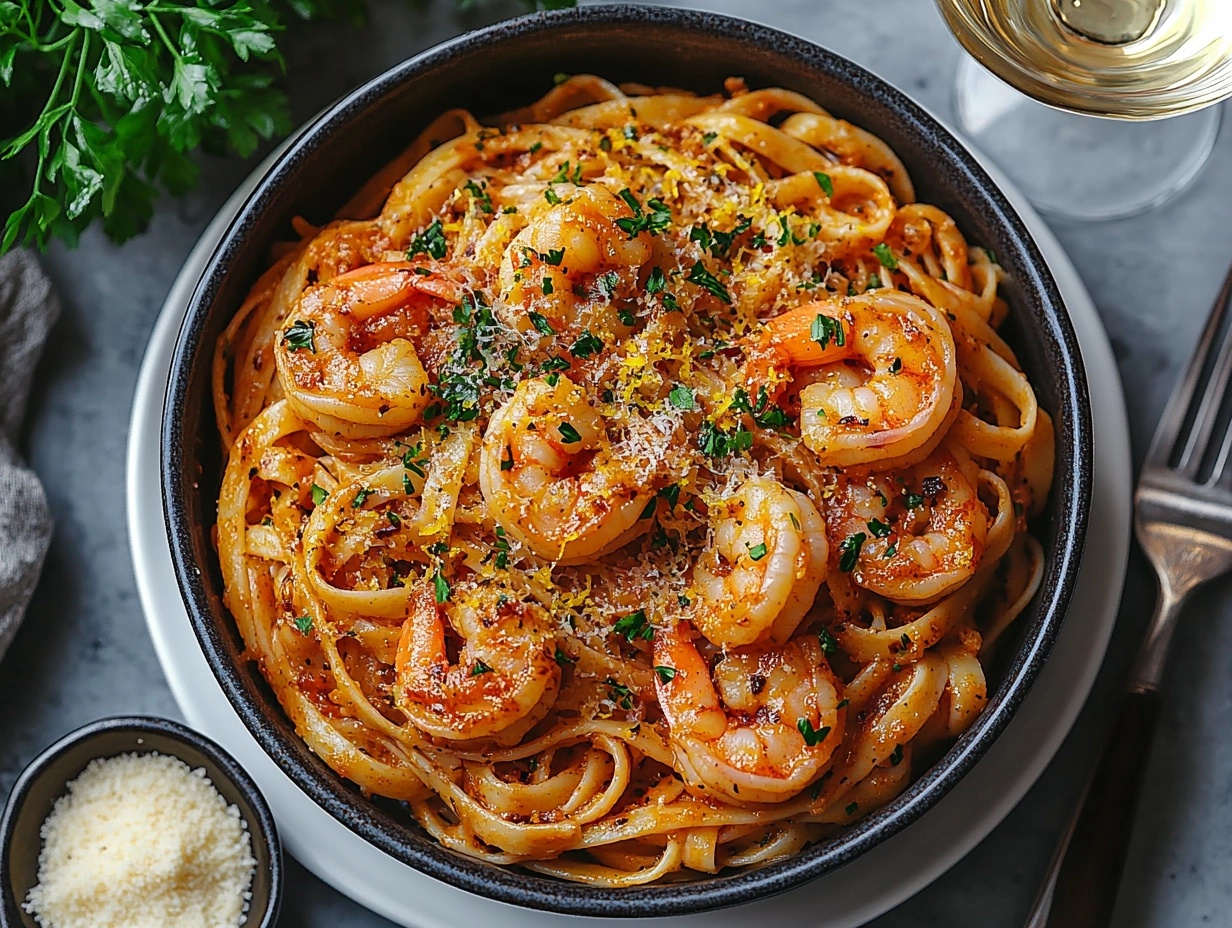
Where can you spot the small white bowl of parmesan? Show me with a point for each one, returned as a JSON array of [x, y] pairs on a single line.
[[138, 822]]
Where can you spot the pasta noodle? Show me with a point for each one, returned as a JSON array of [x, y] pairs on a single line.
[[635, 486]]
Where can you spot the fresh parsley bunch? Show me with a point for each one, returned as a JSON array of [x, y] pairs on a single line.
[[111, 97]]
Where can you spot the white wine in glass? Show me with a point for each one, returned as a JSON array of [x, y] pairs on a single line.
[[1131, 61]]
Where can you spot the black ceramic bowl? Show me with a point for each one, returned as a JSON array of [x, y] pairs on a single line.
[[504, 67], [46, 778]]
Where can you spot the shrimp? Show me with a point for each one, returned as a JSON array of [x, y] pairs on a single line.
[[762, 572], [914, 541], [761, 728], [505, 678], [553, 480], [553, 266], [344, 359], [884, 375]]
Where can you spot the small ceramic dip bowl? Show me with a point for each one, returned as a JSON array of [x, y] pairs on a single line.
[[47, 777]]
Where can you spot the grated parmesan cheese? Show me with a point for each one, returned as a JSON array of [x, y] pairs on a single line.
[[142, 841]]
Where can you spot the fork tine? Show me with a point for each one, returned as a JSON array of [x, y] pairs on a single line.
[[1197, 438], [1218, 471]]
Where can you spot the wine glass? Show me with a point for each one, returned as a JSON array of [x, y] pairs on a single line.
[[1131, 62]]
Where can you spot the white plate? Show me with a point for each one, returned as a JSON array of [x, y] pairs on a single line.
[[862, 890]]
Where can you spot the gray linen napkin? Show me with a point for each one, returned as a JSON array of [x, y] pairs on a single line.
[[28, 307]]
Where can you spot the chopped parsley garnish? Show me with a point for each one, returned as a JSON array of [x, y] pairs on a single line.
[[763, 413], [540, 322], [681, 397], [665, 673], [873, 283], [626, 317], [509, 210], [708, 137], [502, 549], [656, 220], [850, 552], [786, 234], [559, 78], [303, 623], [634, 626], [431, 241], [708, 282], [360, 496], [890, 552], [480, 194], [414, 461], [812, 736], [657, 281], [878, 529], [670, 493], [824, 182], [393, 518], [300, 335], [607, 283], [480, 668], [587, 344], [568, 434], [914, 500], [562, 176], [550, 195], [564, 659], [619, 693], [825, 330], [553, 257], [716, 242], [555, 363], [441, 587], [886, 257], [464, 371], [716, 443], [757, 552], [828, 644], [548, 286], [318, 495], [896, 365]]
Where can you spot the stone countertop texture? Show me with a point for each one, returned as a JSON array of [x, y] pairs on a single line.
[[84, 653]]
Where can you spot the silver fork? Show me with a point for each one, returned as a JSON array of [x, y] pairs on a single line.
[[1183, 517]]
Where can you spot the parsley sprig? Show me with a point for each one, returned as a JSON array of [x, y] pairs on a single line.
[[108, 100]]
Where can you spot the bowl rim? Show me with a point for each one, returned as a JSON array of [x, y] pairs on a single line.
[[509, 885], [151, 724]]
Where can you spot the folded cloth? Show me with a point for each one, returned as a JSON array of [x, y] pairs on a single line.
[[28, 308]]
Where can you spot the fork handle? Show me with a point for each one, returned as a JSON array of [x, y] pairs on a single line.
[[1082, 887]]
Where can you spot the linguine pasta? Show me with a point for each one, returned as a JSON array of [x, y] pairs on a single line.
[[634, 487]]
